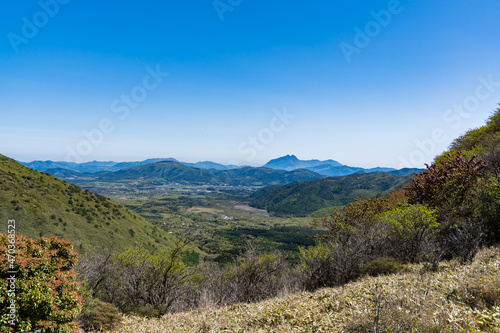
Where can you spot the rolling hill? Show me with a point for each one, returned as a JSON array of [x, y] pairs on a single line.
[[95, 166], [125, 165], [43, 205], [170, 171], [305, 198], [161, 171]]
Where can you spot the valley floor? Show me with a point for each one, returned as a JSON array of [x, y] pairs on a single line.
[[456, 298]]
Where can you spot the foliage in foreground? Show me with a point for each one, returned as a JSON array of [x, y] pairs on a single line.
[[456, 298], [138, 281], [45, 291]]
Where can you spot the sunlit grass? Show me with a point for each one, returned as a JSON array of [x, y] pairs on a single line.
[[454, 299]]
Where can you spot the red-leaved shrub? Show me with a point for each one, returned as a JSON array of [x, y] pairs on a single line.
[[44, 294]]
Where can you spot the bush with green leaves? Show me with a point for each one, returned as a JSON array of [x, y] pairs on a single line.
[[489, 207], [99, 316], [255, 276], [315, 267], [380, 266], [410, 228], [337, 259], [138, 281], [45, 292]]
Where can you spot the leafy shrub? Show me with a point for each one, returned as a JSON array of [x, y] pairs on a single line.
[[315, 265], [410, 226], [99, 316], [462, 238], [149, 311], [252, 276], [448, 185], [478, 137], [255, 276], [359, 213], [356, 235], [380, 266], [46, 293], [138, 281], [489, 207], [337, 260]]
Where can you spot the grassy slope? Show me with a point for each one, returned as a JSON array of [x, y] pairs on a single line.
[[454, 299], [44, 205], [167, 170]]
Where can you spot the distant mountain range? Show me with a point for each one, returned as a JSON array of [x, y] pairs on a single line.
[[328, 168], [96, 166], [291, 187], [171, 171]]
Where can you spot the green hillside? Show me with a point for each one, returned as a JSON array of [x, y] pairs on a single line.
[[171, 171], [266, 176], [304, 198], [45, 206], [166, 170], [483, 141]]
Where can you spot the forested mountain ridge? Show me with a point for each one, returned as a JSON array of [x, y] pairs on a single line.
[[329, 168], [171, 171], [304, 198]]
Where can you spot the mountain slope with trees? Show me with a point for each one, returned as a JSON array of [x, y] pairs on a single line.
[[304, 198], [329, 168], [171, 171], [43, 205]]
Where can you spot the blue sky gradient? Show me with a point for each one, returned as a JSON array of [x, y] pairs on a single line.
[[394, 102]]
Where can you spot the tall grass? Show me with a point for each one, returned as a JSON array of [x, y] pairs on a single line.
[[455, 298]]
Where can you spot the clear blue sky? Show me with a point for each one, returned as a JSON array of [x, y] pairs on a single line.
[[360, 82]]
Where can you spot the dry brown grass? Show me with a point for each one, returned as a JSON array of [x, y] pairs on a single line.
[[456, 298]]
